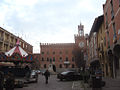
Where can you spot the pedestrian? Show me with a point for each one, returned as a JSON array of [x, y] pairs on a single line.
[[10, 81], [46, 74], [1, 80]]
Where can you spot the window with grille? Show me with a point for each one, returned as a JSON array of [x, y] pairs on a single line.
[[112, 11], [47, 59], [53, 59], [60, 59], [66, 58], [42, 59]]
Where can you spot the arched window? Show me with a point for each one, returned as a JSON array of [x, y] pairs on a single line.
[[60, 65], [60, 59], [44, 65]]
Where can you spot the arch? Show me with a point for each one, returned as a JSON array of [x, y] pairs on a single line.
[[44, 65], [54, 68], [116, 50], [109, 52]]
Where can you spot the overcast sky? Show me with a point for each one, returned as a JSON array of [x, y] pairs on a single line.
[[48, 21]]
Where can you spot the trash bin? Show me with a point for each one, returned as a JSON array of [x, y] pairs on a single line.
[[96, 82]]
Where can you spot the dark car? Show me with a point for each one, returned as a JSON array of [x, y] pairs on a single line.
[[69, 75]]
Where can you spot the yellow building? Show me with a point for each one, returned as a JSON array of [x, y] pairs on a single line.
[[102, 49], [8, 41]]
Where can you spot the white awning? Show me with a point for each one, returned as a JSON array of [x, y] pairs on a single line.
[[66, 62]]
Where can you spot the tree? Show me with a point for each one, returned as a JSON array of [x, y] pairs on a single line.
[[79, 56]]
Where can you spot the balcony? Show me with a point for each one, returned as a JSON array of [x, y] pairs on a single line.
[[1, 39], [6, 41]]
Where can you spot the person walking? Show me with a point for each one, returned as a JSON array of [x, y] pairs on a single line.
[[46, 74], [1, 80], [9, 83]]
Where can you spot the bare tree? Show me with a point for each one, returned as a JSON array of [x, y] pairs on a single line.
[[79, 56]]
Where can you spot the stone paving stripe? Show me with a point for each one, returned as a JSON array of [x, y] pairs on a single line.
[[77, 86]]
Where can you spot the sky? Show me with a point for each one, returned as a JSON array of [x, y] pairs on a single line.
[[48, 21]]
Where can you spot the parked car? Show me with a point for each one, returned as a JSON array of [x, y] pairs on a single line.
[[33, 77], [38, 71], [69, 75]]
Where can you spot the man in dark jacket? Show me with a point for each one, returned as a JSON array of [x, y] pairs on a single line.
[[47, 74], [1, 80]]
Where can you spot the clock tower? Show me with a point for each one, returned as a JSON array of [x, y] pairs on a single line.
[[80, 39]]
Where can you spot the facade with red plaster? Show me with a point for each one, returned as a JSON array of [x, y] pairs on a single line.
[[61, 54]]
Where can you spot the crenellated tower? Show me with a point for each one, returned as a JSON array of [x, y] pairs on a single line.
[[80, 38]]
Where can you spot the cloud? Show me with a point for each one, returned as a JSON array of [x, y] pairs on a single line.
[[52, 21], [21, 2]]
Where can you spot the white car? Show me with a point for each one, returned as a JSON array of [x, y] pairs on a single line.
[[33, 77]]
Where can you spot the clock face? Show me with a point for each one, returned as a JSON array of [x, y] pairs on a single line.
[[81, 44]]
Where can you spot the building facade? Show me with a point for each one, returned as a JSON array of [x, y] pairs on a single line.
[[61, 55], [102, 49], [112, 25], [8, 41], [36, 61], [93, 47]]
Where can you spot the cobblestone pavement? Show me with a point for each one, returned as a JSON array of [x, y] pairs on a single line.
[[111, 84], [53, 84], [77, 85]]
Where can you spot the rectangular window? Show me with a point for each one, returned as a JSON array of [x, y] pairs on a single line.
[[47, 59], [53, 59], [60, 52], [50, 60], [66, 58], [112, 11], [42, 52], [114, 30], [53, 52], [108, 39], [106, 21], [47, 52], [73, 59], [60, 59], [119, 3], [42, 59]]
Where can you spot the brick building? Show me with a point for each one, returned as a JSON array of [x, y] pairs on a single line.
[[61, 55], [112, 25], [36, 62]]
